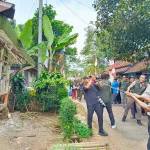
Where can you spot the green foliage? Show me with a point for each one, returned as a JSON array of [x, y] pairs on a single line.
[[67, 111], [82, 129], [23, 100], [62, 92], [24, 33], [69, 124], [59, 28], [64, 40], [48, 31], [126, 26], [47, 10], [17, 83], [50, 89]]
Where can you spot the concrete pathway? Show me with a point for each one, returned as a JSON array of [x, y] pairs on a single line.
[[127, 135]]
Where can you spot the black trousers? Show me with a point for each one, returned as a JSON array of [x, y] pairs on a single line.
[[99, 111], [148, 144], [110, 113]]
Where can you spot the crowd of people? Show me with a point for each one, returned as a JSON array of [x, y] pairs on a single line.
[[99, 92]]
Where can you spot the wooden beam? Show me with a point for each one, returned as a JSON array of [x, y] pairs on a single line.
[[1, 63]]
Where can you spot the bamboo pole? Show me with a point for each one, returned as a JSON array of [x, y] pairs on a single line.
[[1, 62]]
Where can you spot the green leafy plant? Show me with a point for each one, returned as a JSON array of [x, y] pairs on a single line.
[[26, 35], [50, 89], [67, 111], [23, 100], [64, 40], [17, 83], [81, 129]]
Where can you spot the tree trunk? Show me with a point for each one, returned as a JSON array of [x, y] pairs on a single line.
[[50, 64]]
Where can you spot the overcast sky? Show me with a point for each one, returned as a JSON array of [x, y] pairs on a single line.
[[26, 8]]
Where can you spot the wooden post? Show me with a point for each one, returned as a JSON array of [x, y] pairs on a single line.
[[6, 99], [1, 62]]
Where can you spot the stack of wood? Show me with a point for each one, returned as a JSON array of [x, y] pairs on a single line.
[[83, 146]]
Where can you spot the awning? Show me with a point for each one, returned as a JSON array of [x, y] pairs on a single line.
[[7, 9], [8, 39]]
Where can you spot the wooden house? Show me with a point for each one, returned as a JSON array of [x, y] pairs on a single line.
[[11, 50]]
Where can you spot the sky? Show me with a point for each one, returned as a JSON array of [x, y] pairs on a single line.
[[26, 8]]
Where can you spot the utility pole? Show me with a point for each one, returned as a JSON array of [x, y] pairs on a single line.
[[40, 36]]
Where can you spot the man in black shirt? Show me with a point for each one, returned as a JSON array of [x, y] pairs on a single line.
[[91, 97]]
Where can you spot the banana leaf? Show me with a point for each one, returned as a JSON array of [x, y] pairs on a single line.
[[34, 49], [18, 32], [64, 36], [48, 31], [66, 41], [26, 35]]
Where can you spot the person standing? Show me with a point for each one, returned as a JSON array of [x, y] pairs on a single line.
[[74, 88], [123, 87], [91, 97], [115, 87], [105, 94], [133, 107], [139, 87], [118, 96], [138, 99], [78, 89], [81, 90]]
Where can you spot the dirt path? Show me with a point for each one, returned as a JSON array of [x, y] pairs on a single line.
[[37, 131], [127, 136], [26, 132]]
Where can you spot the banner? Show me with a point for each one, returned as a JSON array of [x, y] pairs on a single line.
[[112, 65]]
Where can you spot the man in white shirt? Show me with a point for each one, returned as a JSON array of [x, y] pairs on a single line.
[[138, 99]]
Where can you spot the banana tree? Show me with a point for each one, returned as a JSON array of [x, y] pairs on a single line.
[[26, 35], [63, 41]]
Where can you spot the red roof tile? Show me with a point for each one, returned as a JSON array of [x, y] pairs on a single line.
[[120, 64], [123, 69], [137, 67]]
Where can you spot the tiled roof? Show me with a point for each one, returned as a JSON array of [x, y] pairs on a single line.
[[137, 67], [120, 64], [123, 69]]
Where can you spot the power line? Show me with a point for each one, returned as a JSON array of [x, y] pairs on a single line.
[[34, 2], [84, 5], [74, 13]]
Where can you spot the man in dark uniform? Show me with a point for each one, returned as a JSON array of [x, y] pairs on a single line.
[[139, 88], [146, 97], [91, 97]]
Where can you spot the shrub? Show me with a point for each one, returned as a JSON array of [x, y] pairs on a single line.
[[23, 100], [17, 83], [67, 111], [81, 129], [50, 89]]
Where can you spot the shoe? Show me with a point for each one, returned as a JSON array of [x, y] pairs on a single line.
[[124, 118], [139, 122], [114, 126], [132, 117], [103, 133]]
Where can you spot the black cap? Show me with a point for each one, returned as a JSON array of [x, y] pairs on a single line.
[[86, 77], [132, 77]]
